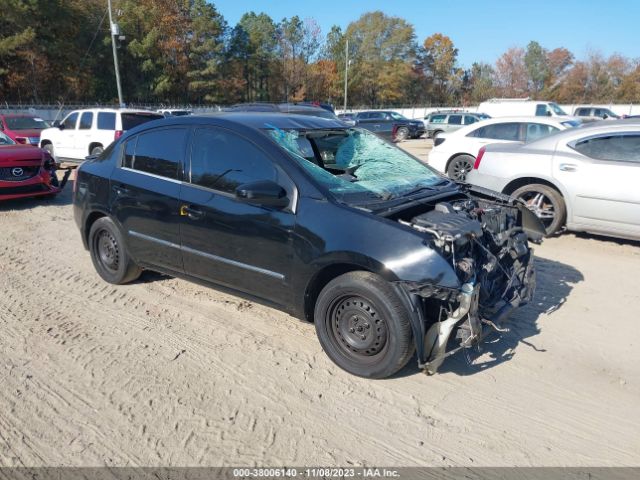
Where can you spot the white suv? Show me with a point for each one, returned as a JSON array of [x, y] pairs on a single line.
[[88, 132]]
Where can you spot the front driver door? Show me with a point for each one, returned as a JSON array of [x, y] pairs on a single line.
[[64, 142], [603, 178], [227, 241]]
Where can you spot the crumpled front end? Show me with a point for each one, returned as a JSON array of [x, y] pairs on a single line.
[[484, 242]]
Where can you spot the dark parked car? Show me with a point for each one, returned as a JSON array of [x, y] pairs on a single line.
[[383, 123], [326, 222]]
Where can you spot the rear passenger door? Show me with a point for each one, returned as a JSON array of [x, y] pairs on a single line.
[[145, 196], [228, 241], [64, 141]]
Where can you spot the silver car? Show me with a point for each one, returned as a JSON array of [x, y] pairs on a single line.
[[446, 121], [585, 179]]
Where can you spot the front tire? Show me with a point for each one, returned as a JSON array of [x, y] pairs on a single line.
[[402, 134], [363, 325], [109, 255], [546, 203], [459, 167]]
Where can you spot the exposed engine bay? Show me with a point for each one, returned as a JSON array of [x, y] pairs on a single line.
[[486, 246]]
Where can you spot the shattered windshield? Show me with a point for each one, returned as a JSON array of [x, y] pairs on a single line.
[[354, 164]]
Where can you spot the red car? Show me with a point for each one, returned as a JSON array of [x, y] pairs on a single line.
[[26, 171], [22, 128]]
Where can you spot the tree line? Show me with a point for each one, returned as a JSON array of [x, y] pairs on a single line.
[[184, 52]]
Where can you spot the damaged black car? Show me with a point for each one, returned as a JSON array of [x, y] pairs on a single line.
[[329, 223]]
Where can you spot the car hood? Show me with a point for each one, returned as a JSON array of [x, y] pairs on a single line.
[[13, 153]]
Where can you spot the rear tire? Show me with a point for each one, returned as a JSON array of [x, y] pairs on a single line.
[[547, 204], [363, 325], [459, 167], [109, 254]]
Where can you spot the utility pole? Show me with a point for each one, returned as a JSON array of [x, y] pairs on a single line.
[[115, 32], [346, 72]]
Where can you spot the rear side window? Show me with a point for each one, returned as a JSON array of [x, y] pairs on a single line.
[[158, 152], [86, 120], [438, 118], [222, 160], [538, 130], [455, 120], [498, 131], [132, 120], [619, 147], [70, 122], [106, 121]]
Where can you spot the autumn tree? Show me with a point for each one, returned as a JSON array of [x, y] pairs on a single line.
[[382, 48], [439, 62], [511, 73]]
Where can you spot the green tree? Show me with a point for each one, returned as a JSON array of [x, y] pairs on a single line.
[[536, 63]]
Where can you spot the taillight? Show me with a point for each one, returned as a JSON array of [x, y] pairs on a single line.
[[394, 130], [479, 158], [118, 134], [21, 140]]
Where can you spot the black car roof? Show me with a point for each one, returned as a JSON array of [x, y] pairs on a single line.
[[252, 120]]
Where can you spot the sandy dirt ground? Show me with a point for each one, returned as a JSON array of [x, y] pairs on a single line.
[[165, 372]]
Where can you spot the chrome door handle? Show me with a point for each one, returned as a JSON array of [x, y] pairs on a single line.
[[568, 167]]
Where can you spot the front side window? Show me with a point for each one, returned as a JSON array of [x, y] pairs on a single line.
[[542, 110], [455, 119], [397, 116], [556, 109], [539, 130], [356, 166], [158, 152], [469, 119], [86, 119], [222, 160], [621, 147], [70, 122], [106, 120]]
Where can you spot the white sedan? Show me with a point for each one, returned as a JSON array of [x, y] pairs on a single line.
[[455, 153], [585, 179]]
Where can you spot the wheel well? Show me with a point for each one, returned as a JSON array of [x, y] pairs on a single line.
[[91, 219], [320, 280], [45, 142], [521, 182], [94, 145]]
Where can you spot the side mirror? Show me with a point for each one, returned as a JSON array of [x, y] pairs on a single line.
[[263, 192], [605, 116], [58, 124], [549, 114]]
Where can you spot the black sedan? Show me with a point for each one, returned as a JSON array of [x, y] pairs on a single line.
[[329, 223], [388, 124]]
